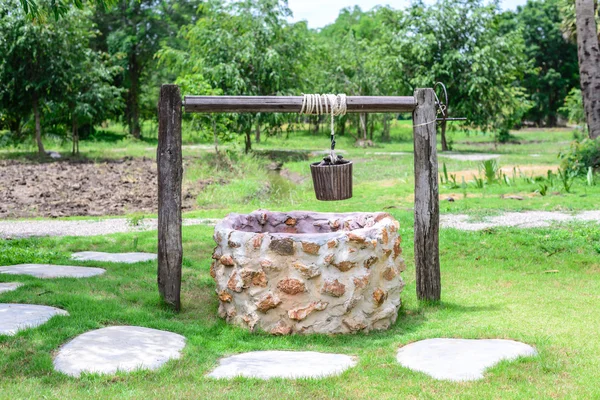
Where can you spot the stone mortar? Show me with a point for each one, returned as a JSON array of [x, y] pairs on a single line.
[[305, 272]]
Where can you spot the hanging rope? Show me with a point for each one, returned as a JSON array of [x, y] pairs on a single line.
[[319, 104]]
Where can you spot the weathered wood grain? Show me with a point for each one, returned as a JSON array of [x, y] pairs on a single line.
[[293, 104], [170, 171], [427, 210], [332, 182]]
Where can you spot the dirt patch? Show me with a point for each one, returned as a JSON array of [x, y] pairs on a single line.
[[80, 188], [523, 170]]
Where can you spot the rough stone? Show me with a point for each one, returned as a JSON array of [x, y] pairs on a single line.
[[334, 288], [310, 248], [257, 241], [389, 273], [281, 329], [319, 279], [379, 296], [268, 302], [118, 348], [282, 364], [308, 271], [353, 237], [344, 266], [128, 258], [291, 286], [227, 260], [235, 282], [369, 262], [225, 296], [17, 317], [283, 247], [9, 286], [301, 313], [384, 236], [48, 271], [397, 249], [460, 359]]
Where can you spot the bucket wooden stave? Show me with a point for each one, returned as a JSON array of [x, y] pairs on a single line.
[[332, 182]]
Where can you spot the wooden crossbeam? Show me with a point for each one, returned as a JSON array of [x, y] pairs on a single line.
[[293, 104]]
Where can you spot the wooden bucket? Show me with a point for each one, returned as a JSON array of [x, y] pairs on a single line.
[[332, 182]]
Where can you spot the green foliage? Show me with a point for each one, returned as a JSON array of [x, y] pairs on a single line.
[[461, 43], [573, 108], [242, 48], [69, 82], [58, 8], [555, 70], [581, 156], [491, 171], [566, 177], [132, 32]]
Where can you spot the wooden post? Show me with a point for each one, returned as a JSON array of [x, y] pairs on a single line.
[[170, 171], [427, 208]]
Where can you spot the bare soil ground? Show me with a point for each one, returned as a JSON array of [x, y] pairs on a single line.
[[79, 187]]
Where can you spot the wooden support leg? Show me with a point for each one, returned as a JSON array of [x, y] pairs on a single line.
[[170, 171], [427, 208]]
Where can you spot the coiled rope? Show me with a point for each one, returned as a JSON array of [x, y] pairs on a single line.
[[318, 104]]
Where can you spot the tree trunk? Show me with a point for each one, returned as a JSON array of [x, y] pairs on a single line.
[[386, 128], [75, 135], [170, 172], [427, 208], [443, 136], [588, 54], [215, 136], [133, 97], [248, 142], [363, 126], [257, 131], [38, 125]]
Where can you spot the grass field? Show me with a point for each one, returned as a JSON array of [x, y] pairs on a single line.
[[538, 286]]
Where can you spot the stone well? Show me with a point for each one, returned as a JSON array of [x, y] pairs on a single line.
[[305, 272]]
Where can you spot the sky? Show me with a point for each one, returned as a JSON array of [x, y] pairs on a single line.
[[319, 13]]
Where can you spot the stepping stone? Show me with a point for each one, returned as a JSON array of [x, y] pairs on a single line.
[[129, 258], [460, 359], [118, 348], [51, 271], [282, 364], [16, 317], [470, 157], [9, 286]]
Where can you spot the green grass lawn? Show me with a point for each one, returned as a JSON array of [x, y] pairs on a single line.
[[538, 286], [496, 284]]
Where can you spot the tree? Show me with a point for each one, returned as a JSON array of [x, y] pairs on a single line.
[[48, 68], [359, 57], [589, 63], [554, 58], [245, 48], [460, 43], [58, 7], [134, 31], [33, 66]]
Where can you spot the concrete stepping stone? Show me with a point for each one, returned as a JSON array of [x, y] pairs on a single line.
[[129, 258], [460, 359], [16, 317], [282, 364], [51, 271], [470, 157], [118, 348], [9, 286]]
